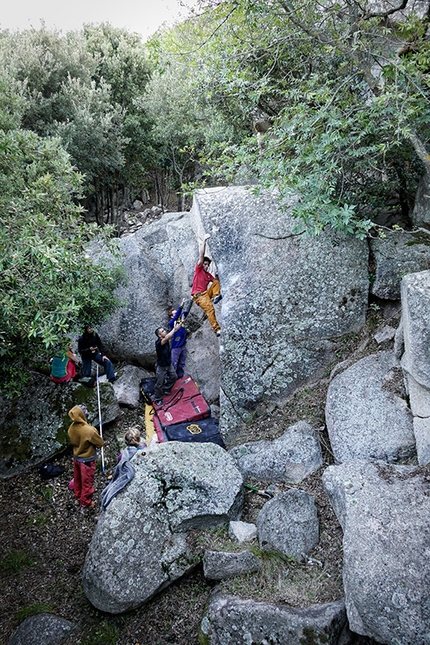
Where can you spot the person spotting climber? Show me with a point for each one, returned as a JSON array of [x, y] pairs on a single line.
[[203, 295], [164, 372], [91, 349], [84, 439], [179, 339]]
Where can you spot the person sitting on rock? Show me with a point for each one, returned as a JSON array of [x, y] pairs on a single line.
[[91, 349], [164, 371], [133, 442], [64, 365], [124, 471], [179, 339], [206, 296]]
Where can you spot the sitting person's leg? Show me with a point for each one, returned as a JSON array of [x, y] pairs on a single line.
[[86, 367], [107, 365]]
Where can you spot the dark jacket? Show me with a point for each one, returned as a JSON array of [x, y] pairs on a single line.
[[90, 340], [164, 354]]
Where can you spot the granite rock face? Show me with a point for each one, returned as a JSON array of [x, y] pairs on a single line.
[[362, 403], [289, 523], [395, 255], [285, 295], [143, 540], [384, 511], [44, 629], [290, 458], [232, 621], [33, 427]]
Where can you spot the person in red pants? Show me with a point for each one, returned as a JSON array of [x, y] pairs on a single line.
[[84, 439]]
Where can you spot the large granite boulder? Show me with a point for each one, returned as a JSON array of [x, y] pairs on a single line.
[[415, 360], [416, 326], [396, 254], [232, 621], [203, 356], [421, 213], [289, 523], [129, 332], [33, 427], [290, 458], [285, 294], [44, 629], [366, 418], [126, 388], [159, 262], [143, 541], [384, 511]]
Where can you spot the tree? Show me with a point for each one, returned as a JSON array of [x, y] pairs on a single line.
[[88, 88], [186, 125], [123, 64], [345, 87], [41, 61], [93, 135], [49, 285]]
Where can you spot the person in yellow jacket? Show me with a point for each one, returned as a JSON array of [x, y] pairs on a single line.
[[84, 439]]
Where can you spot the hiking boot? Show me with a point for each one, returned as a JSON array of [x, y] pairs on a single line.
[[114, 378], [89, 507], [217, 298], [218, 332], [156, 401]]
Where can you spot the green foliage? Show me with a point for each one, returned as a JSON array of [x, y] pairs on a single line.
[[49, 283], [41, 61], [180, 102], [349, 117], [32, 610], [93, 133], [46, 492], [122, 62], [87, 88], [105, 633], [15, 562]]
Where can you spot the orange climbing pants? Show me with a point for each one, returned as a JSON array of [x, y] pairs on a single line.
[[204, 300]]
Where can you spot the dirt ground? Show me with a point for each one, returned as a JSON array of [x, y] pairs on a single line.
[[45, 537]]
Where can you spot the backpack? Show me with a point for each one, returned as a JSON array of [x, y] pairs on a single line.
[[59, 364], [147, 388], [48, 471]]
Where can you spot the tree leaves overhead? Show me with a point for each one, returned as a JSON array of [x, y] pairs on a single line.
[[345, 89]]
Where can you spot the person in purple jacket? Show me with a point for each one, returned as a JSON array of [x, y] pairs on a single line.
[[179, 339]]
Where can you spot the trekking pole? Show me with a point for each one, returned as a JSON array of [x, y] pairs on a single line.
[[100, 418]]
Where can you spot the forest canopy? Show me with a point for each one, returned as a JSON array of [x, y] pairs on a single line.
[[326, 100]]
